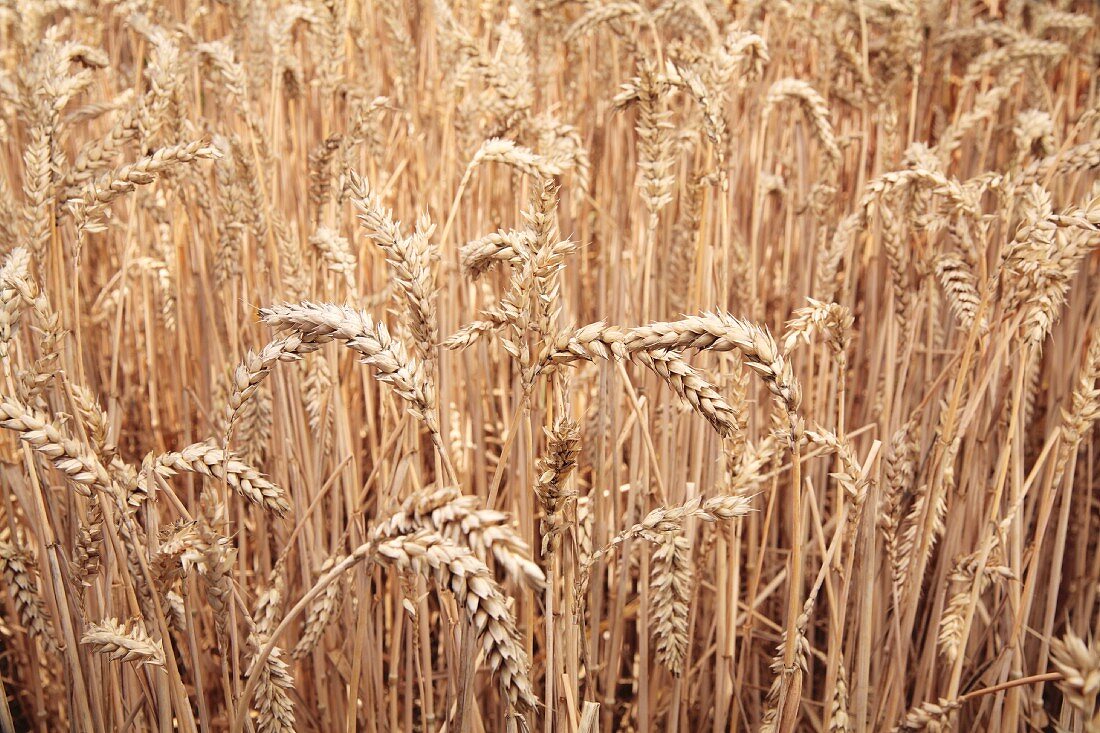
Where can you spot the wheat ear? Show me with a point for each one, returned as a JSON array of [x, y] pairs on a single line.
[[81, 467], [325, 321], [670, 579], [122, 644], [274, 708], [209, 460], [16, 569], [475, 590], [458, 517]]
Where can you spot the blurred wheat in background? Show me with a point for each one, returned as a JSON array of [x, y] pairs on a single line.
[[549, 365]]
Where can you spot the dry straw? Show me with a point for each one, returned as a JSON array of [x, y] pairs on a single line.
[[747, 382]]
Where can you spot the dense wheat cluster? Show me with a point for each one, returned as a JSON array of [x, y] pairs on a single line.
[[549, 365]]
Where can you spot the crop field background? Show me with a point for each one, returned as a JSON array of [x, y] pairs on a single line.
[[549, 365]]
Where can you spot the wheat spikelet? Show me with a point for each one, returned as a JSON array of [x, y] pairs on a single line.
[[15, 270], [670, 579], [257, 212], [231, 225], [466, 336], [952, 622], [321, 322], [839, 720], [248, 375], [597, 15], [1079, 662], [1043, 258], [95, 155], [269, 607], [1034, 133], [410, 257], [288, 65], [985, 106], [175, 611], [290, 258], [121, 644], [480, 255], [962, 199], [830, 258], [336, 254], [961, 287], [850, 475], [213, 557], [221, 58], [597, 340], [87, 558], [507, 152], [738, 49], [209, 460], [160, 103], [33, 380], [1052, 19], [254, 429], [985, 29], [37, 190], [933, 717], [926, 500], [832, 320], [467, 577], [719, 331], [87, 208], [709, 101], [1015, 53], [784, 695], [815, 108], [1084, 407], [1080, 157], [900, 472], [507, 75], [562, 144], [689, 384], [16, 569], [95, 110], [671, 519], [175, 539], [274, 708], [320, 171], [458, 518], [332, 27], [318, 398], [96, 422], [648, 91], [320, 613], [552, 471], [80, 466]]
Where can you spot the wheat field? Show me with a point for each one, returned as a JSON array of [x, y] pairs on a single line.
[[549, 365]]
